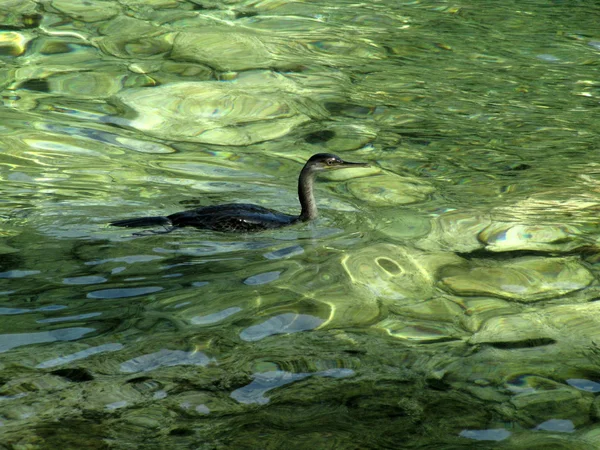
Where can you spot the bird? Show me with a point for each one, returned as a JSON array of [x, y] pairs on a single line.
[[244, 217]]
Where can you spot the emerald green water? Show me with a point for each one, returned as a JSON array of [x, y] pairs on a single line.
[[446, 297]]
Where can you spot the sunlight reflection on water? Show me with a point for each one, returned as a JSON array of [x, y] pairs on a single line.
[[450, 286]]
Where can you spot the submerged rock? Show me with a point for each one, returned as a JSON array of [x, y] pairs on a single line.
[[14, 43], [479, 309], [503, 237], [389, 189], [540, 441], [420, 332], [87, 11], [242, 48], [545, 325], [523, 279], [226, 113], [394, 272], [224, 48], [556, 402], [456, 231]]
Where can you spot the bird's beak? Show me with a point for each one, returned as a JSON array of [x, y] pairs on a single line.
[[348, 164]]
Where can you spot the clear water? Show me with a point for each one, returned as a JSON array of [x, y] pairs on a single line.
[[445, 297]]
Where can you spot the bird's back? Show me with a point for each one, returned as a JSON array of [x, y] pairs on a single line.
[[241, 217]]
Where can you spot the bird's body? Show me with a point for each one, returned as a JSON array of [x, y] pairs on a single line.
[[244, 217]]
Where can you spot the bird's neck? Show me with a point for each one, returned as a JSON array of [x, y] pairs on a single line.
[[306, 196]]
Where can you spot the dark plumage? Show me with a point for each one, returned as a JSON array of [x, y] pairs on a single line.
[[243, 217]]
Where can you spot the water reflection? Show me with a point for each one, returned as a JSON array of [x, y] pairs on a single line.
[[266, 381], [283, 323], [164, 358], [453, 288], [10, 341], [79, 355]]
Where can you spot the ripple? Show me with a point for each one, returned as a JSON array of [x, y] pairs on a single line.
[[18, 273], [434, 332], [164, 358], [116, 405], [92, 12], [215, 317], [498, 434], [502, 237], [525, 279], [262, 278], [266, 381], [281, 324], [9, 341], [396, 272], [557, 425], [79, 355], [123, 292], [286, 252], [390, 189], [11, 311], [69, 318], [13, 43], [132, 259], [584, 385], [220, 113], [91, 279]]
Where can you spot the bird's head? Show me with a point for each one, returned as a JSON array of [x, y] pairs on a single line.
[[328, 161]]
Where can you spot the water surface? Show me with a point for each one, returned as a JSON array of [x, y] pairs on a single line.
[[445, 297]]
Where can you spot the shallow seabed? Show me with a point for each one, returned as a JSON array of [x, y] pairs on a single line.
[[446, 297]]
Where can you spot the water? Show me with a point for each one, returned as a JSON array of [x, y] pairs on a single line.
[[445, 297]]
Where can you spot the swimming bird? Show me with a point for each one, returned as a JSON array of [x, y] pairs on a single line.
[[243, 217]]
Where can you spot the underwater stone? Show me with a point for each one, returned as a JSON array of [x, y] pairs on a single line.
[[498, 434], [596, 411], [456, 231], [504, 237], [522, 279], [582, 321], [422, 332], [389, 189], [343, 310], [224, 113], [147, 45], [147, 419], [584, 385], [13, 43], [394, 272], [286, 323], [560, 402], [512, 329], [556, 425], [110, 396], [19, 14], [86, 84], [547, 441], [224, 48], [437, 309], [164, 358], [408, 225], [125, 26], [87, 11], [339, 137], [592, 436], [479, 309]]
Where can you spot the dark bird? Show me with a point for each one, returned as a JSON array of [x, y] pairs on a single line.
[[244, 217]]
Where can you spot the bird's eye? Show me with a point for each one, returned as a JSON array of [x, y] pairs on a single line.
[[330, 162]]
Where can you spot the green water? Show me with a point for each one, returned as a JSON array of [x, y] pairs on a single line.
[[445, 298]]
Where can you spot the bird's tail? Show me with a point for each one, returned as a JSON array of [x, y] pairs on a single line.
[[143, 222]]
